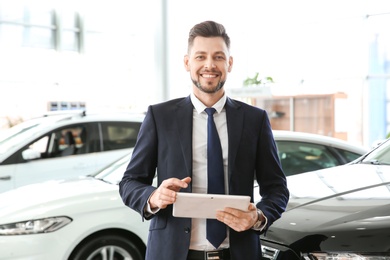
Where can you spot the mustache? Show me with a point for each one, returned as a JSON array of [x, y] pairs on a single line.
[[210, 71]]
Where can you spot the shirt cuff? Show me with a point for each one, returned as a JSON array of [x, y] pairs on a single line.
[[148, 211]]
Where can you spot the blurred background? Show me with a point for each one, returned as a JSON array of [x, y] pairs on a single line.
[[316, 66]]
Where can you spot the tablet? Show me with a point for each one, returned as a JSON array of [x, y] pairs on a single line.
[[196, 205]]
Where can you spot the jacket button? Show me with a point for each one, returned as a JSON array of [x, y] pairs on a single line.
[[187, 230]]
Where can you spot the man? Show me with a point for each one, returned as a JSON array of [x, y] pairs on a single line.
[[173, 141]]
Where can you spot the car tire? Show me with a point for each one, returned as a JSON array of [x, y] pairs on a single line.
[[107, 247]]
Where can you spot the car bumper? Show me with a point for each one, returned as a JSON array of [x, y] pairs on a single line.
[[47, 246]]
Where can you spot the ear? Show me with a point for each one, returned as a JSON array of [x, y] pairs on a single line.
[[230, 64], [186, 60]]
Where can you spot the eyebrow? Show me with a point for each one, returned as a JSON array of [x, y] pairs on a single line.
[[217, 52]]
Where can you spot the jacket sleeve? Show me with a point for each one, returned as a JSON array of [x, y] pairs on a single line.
[[136, 187], [270, 176]]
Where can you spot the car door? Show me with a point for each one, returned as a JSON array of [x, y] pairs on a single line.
[[58, 154]]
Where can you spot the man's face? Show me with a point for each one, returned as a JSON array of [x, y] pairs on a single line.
[[208, 62]]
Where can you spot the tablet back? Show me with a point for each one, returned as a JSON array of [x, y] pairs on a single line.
[[196, 205]]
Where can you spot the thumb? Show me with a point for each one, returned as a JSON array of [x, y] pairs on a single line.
[[251, 207], [187, 180]]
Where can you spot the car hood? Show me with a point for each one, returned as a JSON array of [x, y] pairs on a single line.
[[55, 198], [344, 208]]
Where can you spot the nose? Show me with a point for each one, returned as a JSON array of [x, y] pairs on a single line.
[[209, 64]]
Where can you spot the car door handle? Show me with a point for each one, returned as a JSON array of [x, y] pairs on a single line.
[[5, 178]]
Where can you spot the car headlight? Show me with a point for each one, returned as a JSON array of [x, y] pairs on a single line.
[[35, 226]]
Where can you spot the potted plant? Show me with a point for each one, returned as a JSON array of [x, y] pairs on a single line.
[[255, 81]]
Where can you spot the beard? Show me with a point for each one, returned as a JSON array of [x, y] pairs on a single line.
[[207, 89]]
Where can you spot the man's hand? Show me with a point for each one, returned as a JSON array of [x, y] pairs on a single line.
[[237, 219], [166, 192]]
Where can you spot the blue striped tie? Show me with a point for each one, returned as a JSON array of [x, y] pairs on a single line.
[[216, 230]]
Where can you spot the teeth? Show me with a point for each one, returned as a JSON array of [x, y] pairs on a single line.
[[209, 76]]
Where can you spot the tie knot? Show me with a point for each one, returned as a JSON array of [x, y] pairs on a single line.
[[210, 111]]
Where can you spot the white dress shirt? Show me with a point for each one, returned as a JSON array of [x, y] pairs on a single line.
[[199, 163]]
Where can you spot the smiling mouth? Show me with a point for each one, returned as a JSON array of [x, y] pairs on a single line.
[[209, 76]]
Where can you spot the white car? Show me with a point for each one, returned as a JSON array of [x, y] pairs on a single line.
[[303, 152], [64, 145], [78, 219]]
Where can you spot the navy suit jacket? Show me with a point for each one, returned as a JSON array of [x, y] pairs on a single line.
[[165, 144]]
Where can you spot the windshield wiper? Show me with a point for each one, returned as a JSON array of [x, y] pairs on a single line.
[[375, 162]]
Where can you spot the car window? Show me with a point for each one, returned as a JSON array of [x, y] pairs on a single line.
[[347, 155], [62, 142], [298, 157], [20, 132], [379, 155], [119, 135]]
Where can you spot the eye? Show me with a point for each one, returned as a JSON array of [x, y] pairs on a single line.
[[219, 57], [199, 57]]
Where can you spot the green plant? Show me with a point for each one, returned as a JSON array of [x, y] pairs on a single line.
[[256, 81]]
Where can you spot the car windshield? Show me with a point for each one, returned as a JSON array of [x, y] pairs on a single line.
[[113, 174], [380, 155], [14, 135]]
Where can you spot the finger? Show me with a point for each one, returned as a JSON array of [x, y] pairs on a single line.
[[187, 180], [167, 191], [239, 221], [233, 211], [163, 200], [231, 220], [175, 184]]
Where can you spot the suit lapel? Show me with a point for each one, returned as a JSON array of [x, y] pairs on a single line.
[[234, 120], [183, 112]]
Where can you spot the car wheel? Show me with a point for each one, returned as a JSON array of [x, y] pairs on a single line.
[[107, 247]]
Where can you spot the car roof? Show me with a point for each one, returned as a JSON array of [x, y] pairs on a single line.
[[283, 135], [83, 116]]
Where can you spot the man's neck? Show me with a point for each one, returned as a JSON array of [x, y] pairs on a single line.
[[208, 99]]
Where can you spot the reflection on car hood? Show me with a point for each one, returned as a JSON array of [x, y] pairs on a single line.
[[64, 197], [345, 208]]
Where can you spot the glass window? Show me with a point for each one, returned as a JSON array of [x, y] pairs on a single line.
[[298, 157], [28, 26], [40, 28], [11, 11], [69, 41], [70, 35], [11, 35], [62, 142], [380, 155], [119, 135], [38, 37], [11, 29], [38, 15], [349, 156]]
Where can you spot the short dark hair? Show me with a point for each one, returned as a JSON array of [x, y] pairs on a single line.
[[208, 29]]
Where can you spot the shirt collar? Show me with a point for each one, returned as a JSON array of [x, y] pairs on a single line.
[[200, 107]]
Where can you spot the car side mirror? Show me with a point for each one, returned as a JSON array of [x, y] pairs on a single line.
[[31, 154]]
